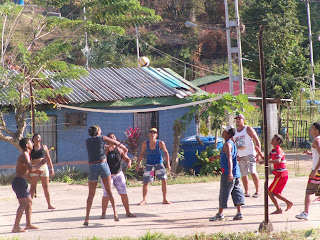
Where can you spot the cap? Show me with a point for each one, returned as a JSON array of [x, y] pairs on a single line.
[[153, 130], [241, 116], [230, 129]]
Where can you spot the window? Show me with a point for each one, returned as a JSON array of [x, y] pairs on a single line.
[[75, 119]]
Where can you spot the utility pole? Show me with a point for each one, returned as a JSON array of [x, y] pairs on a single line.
[[312, 88], [234, 50], [32, 109], [86, 49], [266, 225], [137, 41]]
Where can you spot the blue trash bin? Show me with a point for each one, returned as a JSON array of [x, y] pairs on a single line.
[[190, 145], [20, 2]]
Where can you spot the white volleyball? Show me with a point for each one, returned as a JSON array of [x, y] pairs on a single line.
[[143, 61]]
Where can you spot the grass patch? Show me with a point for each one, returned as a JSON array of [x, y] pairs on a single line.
[[284, 235], [70, 175], [6, 179]]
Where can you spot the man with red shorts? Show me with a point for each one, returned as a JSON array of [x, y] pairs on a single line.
[[276, 156]]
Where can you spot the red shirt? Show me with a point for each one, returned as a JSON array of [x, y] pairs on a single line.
[[280, 168]]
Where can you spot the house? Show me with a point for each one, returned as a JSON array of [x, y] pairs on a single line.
[[220, 84], [114, 99]]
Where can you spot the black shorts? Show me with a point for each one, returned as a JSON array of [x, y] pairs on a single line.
[[20, 187]]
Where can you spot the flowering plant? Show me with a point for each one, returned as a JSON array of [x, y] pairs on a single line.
[[133, 139]]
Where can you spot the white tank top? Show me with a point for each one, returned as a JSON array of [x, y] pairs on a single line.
[[315, 156], [244, 143]]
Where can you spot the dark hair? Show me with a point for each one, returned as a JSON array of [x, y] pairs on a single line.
[[93, 130], [109, 134], [317, 126], [279, 138], [23, 143], [36, 134]]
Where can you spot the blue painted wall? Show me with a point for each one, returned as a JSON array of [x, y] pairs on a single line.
[[71, 140]]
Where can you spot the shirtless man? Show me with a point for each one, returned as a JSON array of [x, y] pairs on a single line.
[[20, 186]]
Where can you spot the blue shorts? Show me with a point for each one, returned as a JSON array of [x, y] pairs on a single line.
[[101, 169], [20, 187], [159, 170], [227, 187]]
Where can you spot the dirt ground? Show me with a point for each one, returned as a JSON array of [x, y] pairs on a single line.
[[192, 205]]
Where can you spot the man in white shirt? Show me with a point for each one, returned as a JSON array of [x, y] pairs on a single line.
[[245, 139], [313, 181]]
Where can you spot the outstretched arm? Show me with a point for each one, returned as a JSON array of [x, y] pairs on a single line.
[[115, 142], [25, 159]]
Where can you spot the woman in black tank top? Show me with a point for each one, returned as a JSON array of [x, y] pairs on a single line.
[[38, 153]]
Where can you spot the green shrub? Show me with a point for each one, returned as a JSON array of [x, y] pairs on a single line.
[[70, 175], [207, 167], [6, 179]]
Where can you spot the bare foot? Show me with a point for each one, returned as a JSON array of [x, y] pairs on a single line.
[[31, 227], [116, 218], [51, 207], [289, 205], [130, 215], [143, 202], [278, 211], [166, 202], [16, 230], [317, 199], [103, 217]]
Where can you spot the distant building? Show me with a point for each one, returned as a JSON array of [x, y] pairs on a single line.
[[220, 84], [131, 89]]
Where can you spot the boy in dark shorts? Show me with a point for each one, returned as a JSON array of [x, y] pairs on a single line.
[[230, 177], [276, 156], [20, 186]]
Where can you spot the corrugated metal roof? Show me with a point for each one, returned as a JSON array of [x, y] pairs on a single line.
[[110, 84], [209, 79]]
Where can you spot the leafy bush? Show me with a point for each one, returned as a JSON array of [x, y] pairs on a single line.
[[70, 175], [133, 140], [132, 173], [207, 167], [6, 179]]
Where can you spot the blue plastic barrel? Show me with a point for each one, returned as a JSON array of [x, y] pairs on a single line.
[[190, 145], [20, 2]]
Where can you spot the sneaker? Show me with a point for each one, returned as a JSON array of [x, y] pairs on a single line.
[[256, 195], [217, 217], [238, 216], [247, 195], [303, 215]]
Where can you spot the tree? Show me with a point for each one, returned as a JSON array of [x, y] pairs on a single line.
[[22, 63], [216, 111], [282, 39]]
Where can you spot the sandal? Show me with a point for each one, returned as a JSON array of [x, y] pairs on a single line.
[[130, 215]]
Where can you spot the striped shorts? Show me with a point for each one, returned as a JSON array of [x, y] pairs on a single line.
[[313, 186], [157, 170]]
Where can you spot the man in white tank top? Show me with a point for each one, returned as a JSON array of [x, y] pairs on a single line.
[[245, 139], [314, 177]]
